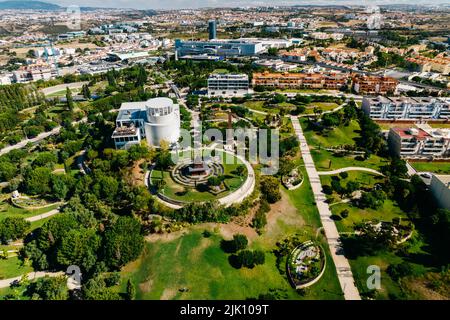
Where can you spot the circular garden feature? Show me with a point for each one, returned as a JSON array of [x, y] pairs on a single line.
[[306, 265], [211, 177]]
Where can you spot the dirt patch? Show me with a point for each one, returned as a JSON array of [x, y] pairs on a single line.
[[166, 237], [168, 294], [228, 230], [137, 174], [283, 211], [146, 286]]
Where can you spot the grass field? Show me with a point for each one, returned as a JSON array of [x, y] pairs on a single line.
[[323, 157], [387, 212], [13, 267], [324, 106], [435, 167], [338, 136]]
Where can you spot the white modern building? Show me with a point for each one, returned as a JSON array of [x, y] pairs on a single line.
[[406, 108], [228, 85], [154, 120], [440, 188]]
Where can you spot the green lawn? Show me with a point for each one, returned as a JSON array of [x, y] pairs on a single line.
[[13, 267], [323, 157], [342, 135], [199, 264], [324, 106], [387, 212], [435, 167]]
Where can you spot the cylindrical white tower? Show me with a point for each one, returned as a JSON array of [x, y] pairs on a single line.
[[163, 121]]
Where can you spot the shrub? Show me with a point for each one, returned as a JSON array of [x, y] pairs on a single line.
[[239, 242], [343, 175], [344, 213]]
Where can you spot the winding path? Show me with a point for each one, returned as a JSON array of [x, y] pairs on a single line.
[[337, 171], [343, 269]]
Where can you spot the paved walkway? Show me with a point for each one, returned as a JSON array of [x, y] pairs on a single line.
[[341, 263], [38, 138], [6, 283], [43, 216], [327, 173], [61, 87]]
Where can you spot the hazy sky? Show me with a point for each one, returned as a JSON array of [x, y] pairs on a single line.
[[176, 4]]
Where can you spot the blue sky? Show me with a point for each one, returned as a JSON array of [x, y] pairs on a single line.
[[176, 4]]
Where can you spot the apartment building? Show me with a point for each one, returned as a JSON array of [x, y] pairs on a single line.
[[300, 80], [406, 108], [437, 64], [228, 85], [373, 85], [419, 143]]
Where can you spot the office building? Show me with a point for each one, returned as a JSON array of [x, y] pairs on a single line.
[[228, 85], [212, 29]]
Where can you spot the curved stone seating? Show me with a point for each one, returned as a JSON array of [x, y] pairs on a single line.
[[180, 176]]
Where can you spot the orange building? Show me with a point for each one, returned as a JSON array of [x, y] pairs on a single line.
[[374, 85], [300, 80]]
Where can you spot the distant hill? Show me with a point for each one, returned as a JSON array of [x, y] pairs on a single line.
[[36, 5]]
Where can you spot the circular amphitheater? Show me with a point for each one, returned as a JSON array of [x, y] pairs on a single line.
[[188, 180], [181, 172]]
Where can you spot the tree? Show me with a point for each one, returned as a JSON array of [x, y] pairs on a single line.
[[123, 242], [59, 187], [79, 247], [248, 258], [270, 189], [343, 175], [85, 91], [238, 242], [131, 290], [69, 99], [163, 160], [37, 181], [12, 228], [240, 170], [96, 289], [49, 288], [351, 187], [7, 170], [214, 181]]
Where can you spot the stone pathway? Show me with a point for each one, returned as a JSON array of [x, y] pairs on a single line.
[[341, 263]]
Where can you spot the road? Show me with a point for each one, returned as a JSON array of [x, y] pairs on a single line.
[[6, 283], [61, 87], [328, 173], [38, 138], [341, 263]]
